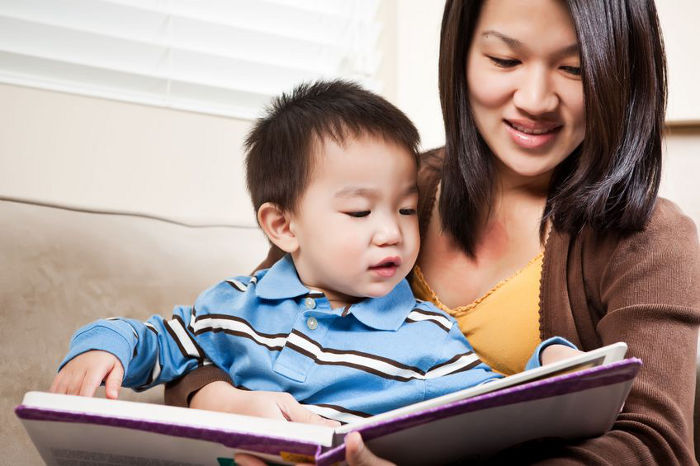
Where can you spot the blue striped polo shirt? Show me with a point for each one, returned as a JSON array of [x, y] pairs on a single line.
[[270, 332]]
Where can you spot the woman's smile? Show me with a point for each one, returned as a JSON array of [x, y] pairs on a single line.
[[532, 135]]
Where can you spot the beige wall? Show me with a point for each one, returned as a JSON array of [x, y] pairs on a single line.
[[680, 178], [93, 152]]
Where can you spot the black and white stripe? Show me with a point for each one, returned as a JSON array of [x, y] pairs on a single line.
[[187, 345], [378, 365], [238, 327], [155, 371], [239, 285], [374, 364], [337, 413], [421, 315]]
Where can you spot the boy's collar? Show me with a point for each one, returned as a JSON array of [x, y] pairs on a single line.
[[281, 281], [384, 313]]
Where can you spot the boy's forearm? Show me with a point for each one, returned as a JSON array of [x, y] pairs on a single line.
[[148, 352], [102, 335]]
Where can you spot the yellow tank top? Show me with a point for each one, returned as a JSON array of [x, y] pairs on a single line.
[[503, 325]]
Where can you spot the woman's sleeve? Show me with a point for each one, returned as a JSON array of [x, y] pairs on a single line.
[[648, 294], [180, 391]]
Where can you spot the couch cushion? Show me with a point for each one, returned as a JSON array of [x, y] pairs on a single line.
[[62, 269]]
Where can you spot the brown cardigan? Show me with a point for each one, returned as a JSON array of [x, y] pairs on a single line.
[[597, 289]]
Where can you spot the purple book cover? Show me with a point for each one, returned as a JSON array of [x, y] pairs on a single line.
[[238, 440], [596, 377], [580, 382]]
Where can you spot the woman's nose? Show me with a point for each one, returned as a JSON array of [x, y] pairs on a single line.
[[535, 94]]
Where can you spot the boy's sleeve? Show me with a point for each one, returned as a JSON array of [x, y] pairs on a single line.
[[151, 352], [536, 358], [457, 368]]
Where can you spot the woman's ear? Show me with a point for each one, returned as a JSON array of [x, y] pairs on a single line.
[[276, 224]]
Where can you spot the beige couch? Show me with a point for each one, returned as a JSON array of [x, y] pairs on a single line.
[[60, 269]]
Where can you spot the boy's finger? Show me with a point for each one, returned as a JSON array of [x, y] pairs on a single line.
[[297, 413], [92, 380], [60, 384], [54, 384], [114, 381], [75, 381]]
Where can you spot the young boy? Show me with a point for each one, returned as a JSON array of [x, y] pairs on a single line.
[[331, 170]]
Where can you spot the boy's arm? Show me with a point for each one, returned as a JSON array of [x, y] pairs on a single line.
[[143, 354], [551, 350], [453, 372]]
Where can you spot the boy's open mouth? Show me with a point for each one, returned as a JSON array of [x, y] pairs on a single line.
[[387, 267]]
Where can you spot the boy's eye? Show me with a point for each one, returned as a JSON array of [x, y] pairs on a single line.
[[360, 213], [572, 70], [407, 211], [504, 62]]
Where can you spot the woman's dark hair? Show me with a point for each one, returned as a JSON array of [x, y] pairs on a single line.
[[610, 182], [280, 146]]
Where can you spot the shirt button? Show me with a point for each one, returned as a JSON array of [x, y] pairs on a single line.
[[312, 323], [310, 303]]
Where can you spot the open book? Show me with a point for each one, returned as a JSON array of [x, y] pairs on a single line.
[[574, 398]]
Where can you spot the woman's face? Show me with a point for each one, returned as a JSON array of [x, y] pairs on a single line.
[[525, 90]]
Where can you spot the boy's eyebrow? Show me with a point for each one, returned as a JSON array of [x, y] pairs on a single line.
[[515, 44], [356, 191]]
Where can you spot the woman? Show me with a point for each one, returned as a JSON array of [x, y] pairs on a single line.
[[540, 215]]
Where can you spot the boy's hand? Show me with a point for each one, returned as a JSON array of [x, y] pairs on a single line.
[[554, 353], [85, 372], [221, 396]]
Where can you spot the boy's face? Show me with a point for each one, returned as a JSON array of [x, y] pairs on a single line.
[[356, 223]]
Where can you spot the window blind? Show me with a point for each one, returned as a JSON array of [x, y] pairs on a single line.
[[224, 57]]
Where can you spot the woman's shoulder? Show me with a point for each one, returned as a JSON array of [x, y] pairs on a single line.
[[658, 264], [668, 229], [667, 214]]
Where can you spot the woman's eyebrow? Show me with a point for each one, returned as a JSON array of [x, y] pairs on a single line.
[[515, 44]]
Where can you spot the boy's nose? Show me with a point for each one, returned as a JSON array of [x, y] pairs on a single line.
[[388, 234]]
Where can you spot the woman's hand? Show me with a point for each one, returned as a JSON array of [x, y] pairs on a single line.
[[356, 454]]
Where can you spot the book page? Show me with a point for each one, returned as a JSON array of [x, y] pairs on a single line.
[[177, 416], [596, 357]]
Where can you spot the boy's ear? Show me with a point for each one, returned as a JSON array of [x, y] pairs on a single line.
[[275, 223]]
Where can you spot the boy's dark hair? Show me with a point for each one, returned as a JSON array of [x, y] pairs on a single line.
[[279, 148], [610, 182]]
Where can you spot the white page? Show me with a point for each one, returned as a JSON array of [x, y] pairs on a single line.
[[179, 416]]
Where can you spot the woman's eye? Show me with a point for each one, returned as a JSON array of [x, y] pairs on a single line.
[[360, 213], [504, 62], [572, 70], [407, 211]]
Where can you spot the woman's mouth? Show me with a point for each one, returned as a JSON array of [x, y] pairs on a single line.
[[387, 267], [531, 135]]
